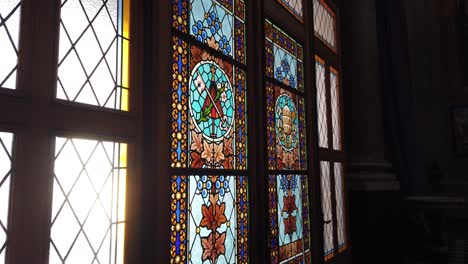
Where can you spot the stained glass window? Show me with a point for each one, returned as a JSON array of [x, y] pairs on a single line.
[[88, 207], [209, 132], [293, 6], [321, 102], [325, 23], [285, 105], [289, 218], [284, 57], [327, 209], [9, 34], [335, 107], [94, 53], [6, 144], [209, 219], [340, 207]]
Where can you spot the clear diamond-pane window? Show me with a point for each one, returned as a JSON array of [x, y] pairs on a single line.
[[335, 107], [324, 23], [327, 209], [293, 6], [321, 103], [340, 205], [94, 53], [88, 213], [6, 141], [9, 33]]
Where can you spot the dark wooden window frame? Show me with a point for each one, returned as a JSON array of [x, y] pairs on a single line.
[[331, 57]]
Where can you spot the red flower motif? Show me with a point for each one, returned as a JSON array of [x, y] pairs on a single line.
[[213, 215], [197, 161], [289, 204], [213, 246], [289, 225]]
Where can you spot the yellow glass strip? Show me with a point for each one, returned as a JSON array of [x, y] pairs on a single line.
[[126, 19], [123, 155], [125, 62], [120, 243], [124, 100]]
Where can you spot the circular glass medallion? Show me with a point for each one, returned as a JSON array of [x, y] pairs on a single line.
[[286, 122], [211, 101]]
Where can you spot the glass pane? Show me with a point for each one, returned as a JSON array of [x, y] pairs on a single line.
[[9, 34], [327, 209], [293, 6], [218, 24], [94, 53], [286, 129], [283, 57], [321, 102], [6, 144], [289, 218], [339, 190], [209, 219], [209, 119], [335, 105], [88, 215], [324, 23]]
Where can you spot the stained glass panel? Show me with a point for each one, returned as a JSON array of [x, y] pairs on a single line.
[[209, 121], [324, 23], [327, 209], [321, 102], [286, 129], [339, 190], [283, 57], [218, 24], [289, 219], [293, 6], [88, 207], [9, 34], [209, 216], [6, 144], [94, 53], [335, 105]]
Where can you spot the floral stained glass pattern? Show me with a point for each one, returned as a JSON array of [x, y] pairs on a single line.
[[325, 23], [293, 6], [286, 129], [209, 219], [283, 57], [289, 219], [88, 206], [218, 24], [6, 144], [9, 35], [94, 53], [209, 110]]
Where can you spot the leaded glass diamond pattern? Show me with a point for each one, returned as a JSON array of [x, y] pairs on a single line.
[[9, 33], [285, 66], [6, 142], [334, 95], [88, 213], [293, 6], [324, 23], [321, 104], [93, 53], [327, 208], [340, 204]]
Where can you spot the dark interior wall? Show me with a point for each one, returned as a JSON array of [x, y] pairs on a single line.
[[434, 46]]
